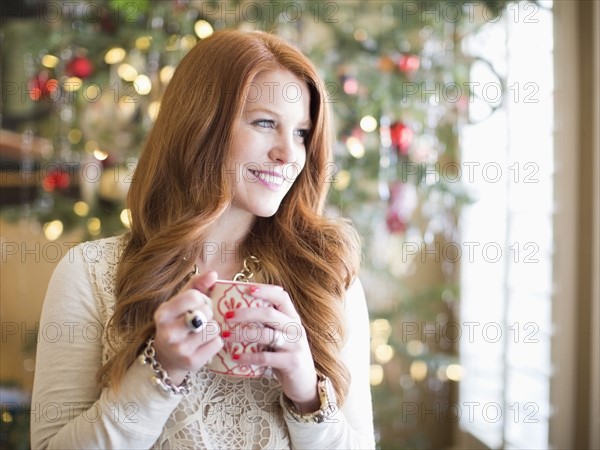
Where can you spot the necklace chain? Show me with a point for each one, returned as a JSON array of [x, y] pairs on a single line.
[[251, 265]]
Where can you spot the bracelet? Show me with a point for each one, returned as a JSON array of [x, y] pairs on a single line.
[[161, 377], [326, 397]]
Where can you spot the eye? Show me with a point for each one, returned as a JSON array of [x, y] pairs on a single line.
[[302, 133], [265, 123]]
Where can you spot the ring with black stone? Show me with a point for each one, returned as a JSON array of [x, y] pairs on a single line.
[[195, 320]]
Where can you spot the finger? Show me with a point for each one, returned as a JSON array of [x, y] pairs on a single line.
[[275, 295], [261, 315], [199, 357], [265, 336], [266, 359], [202, 282], [195, 341], [188, 300]]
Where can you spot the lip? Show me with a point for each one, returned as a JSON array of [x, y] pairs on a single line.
[[272, 186]]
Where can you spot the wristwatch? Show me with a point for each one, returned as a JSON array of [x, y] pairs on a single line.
[[328, 403]]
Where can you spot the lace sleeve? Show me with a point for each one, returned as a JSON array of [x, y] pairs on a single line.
[[352, 426], [69, 409]]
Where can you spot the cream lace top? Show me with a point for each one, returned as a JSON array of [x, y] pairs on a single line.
[[70, 410]]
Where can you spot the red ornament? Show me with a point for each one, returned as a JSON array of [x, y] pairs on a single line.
[[42, 86], [56, 179], [402, 137], [401, 205], [408, 63], [80, 67]]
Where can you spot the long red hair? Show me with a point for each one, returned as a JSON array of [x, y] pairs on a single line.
[[180, 189]]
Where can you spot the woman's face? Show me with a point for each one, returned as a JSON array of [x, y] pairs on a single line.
[[268, 144]]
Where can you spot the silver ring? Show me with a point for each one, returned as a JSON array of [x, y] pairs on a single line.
[[195, 320], [277, 341]]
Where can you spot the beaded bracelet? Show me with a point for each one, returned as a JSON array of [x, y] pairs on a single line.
[[161, 377]]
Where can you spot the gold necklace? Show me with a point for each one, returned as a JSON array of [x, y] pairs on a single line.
[[251, 265]]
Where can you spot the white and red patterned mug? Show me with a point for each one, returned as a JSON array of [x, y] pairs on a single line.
[[228, 296]]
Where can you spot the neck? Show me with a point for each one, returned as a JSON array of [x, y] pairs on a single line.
[[222, 248]]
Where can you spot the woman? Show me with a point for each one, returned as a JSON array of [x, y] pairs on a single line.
[[235, 166]]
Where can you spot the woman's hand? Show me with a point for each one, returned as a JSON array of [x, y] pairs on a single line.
[[286, 346], [178, 348]]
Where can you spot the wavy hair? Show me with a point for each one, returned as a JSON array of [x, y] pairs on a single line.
[[180, 189]]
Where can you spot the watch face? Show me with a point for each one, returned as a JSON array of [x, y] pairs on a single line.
[[328, 403]]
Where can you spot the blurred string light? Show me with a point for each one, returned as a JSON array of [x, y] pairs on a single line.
[[73, 84], [127, 72], [418, 370], [166, 73], [94, 226], [203, 29], [53, 230], [368, 124], [100, 155], [143, 42], [81, 208], [341, 180], [153, 109], [381, 331], [125, 217], [115, 55], [74, 136], [455, 372], [384, 353], [50, 61], [376, 374], [187, 42], [142, 84], [355, 147]]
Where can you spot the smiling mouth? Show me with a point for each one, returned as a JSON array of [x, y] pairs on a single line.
[[270, 179]]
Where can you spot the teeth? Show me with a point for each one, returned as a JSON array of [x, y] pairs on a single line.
[[269, 178]]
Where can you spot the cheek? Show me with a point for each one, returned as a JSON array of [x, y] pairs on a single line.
[[301, 161], [293, 171]]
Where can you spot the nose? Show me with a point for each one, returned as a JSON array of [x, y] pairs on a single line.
[[284, 149]]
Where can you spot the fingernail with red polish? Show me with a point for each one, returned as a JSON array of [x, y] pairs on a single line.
[[226, 334], [235, 356], [229, 314]]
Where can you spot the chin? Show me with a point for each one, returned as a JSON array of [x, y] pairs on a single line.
[[266, 210]]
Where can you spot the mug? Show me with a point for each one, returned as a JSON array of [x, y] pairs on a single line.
[[229, 296]]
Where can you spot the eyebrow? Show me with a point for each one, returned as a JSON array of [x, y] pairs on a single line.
[[307, 123]]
